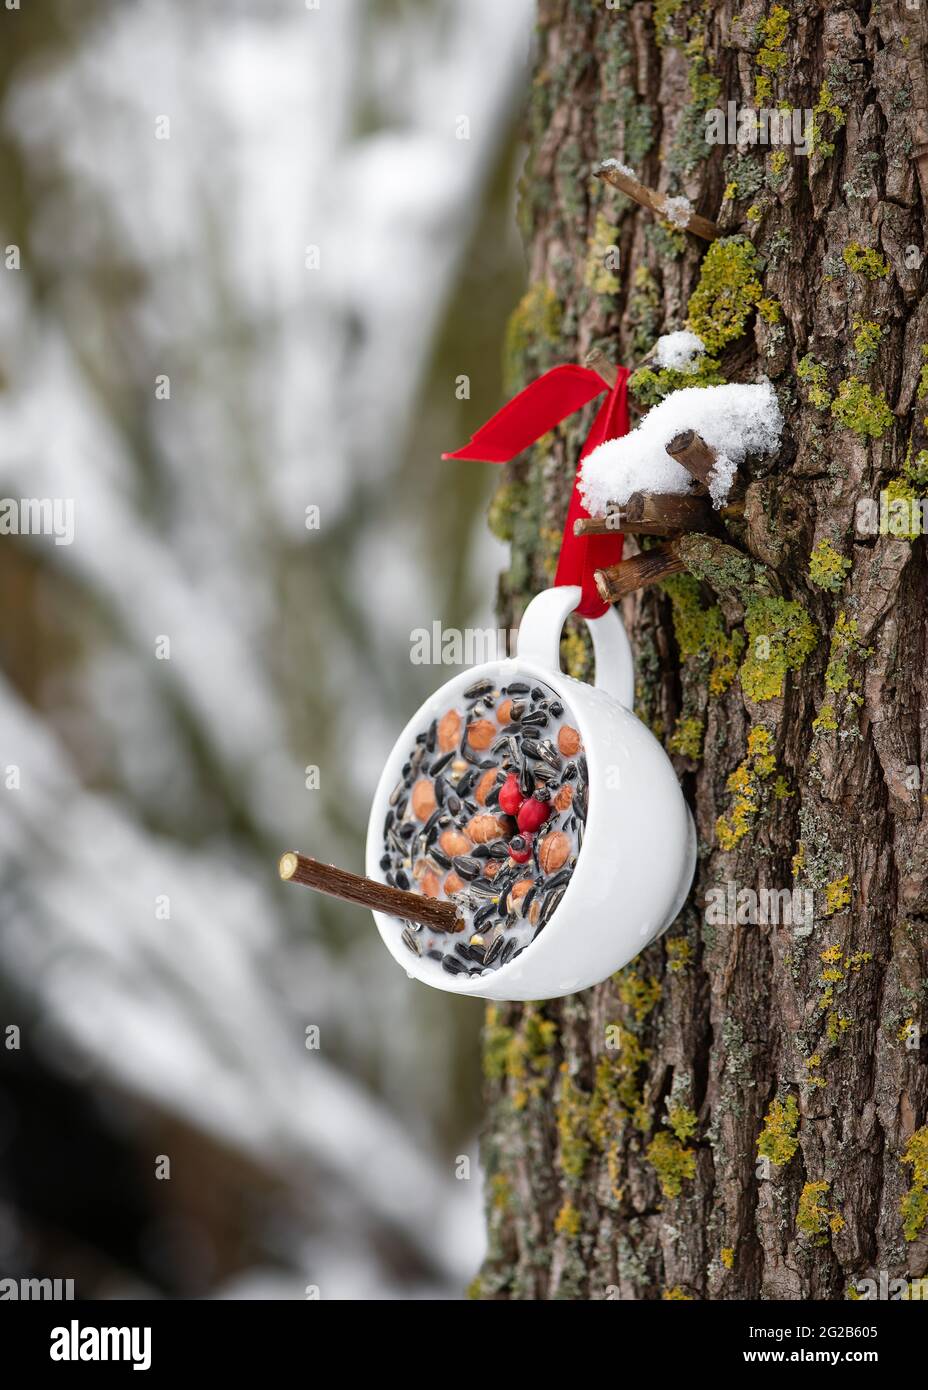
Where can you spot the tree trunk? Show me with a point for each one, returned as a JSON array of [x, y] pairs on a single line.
[[741, 1112]]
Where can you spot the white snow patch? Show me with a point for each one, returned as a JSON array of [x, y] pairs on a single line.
[[619, 167], [678, 211], [734, 420], [679, 351]]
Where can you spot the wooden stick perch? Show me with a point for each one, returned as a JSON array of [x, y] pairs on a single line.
[[601, 365], [654, 202], [651, 514], [637, 573], [379, 897], [692, 451]]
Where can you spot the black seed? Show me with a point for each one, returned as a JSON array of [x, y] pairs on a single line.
[[391, 880], [402, 879], [410, 939], [452, 803], [499, 745], [561, 877], [471, 807], [527, 900], [487, 764], [570, 772], [492, 796], [472, 757], [542, 794], [466, 867], [407, 769], [498, 850], [546, 752], [480, 852], [582, 767], [441, 763], [434, 955], [431, 736], [538, 693], [452, 965], [494, 949], [441, 859], [512, 729], [550, 905], [401, 807], [479, 688], [484, 914], [530, 748], [535, 721], [391, 815], [441, 789], [462, 950], [516, 711], [555, 709], [386, 861], [508, 951], [395, 843], [526, 780], [420, 738]]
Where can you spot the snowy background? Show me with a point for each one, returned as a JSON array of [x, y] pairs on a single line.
[[161, 979]]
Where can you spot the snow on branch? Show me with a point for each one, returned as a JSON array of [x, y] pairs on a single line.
[[733, 420]]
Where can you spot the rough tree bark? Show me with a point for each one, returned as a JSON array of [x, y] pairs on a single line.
[[741, 1113]]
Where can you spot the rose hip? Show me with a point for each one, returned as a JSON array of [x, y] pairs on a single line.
[[510, 797], [533, 814], [520, 849]]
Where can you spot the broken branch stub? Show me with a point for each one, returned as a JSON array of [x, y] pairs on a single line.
[[649, 567], [655, 202], [696, 456]]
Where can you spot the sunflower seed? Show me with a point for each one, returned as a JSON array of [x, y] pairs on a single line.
[[479, 688], [452, 965], [412, 941], [466, 867], [517, 688], [494, 949], [509, 950], [397, 792]]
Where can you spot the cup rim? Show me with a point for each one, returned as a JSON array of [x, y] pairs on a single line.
[[472, 985]]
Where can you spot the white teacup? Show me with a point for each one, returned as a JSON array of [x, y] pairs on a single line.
[[635, 867]]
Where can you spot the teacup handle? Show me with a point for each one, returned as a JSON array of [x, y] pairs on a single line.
[[540, 638]]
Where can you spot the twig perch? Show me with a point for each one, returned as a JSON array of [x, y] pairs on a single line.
[[692, 451], [379, 897], [655, 202], [651, 514], [637, 573], [601, 365]]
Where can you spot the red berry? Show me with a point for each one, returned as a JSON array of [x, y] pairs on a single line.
[[533, 814], [510, 797], [520, 849]]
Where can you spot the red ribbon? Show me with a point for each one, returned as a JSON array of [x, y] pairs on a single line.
[[533, 412]]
